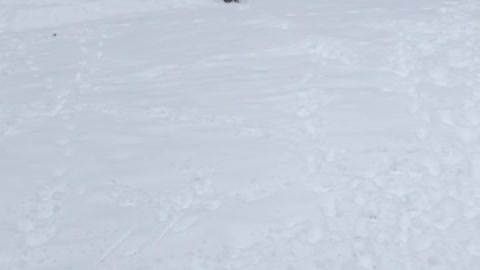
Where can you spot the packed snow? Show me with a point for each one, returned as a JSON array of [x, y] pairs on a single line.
[[260, 135]]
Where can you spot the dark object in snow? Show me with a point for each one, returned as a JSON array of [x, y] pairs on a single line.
[[229, 1], [54, 34]]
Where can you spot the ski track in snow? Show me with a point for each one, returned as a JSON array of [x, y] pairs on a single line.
[[286, 135]]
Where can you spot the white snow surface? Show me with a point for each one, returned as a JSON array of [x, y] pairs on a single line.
[[265, 135]]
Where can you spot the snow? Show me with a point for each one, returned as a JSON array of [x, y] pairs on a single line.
[[270, 134]]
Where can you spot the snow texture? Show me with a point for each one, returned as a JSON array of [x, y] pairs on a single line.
[[268, 134]]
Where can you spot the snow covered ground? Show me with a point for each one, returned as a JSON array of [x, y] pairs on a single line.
[[271, 134]]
